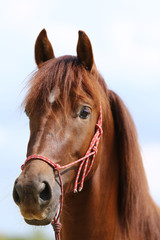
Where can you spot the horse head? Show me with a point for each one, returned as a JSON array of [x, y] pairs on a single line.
[[63, 106]]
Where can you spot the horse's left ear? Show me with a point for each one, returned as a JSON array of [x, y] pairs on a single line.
[[84, 51], [43, 48]]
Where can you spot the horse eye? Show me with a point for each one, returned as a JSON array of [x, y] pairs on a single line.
[[84, 113]]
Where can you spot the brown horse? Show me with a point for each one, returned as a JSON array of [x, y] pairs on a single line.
[[63, 105]]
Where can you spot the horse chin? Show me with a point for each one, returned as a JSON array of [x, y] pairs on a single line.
[[36, 222], [41, 222]]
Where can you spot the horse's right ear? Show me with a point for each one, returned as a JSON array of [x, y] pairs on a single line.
[[43, 48]]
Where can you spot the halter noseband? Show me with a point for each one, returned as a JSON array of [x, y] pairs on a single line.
[[92, 151]]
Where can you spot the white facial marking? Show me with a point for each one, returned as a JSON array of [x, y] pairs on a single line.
[[53, 95]]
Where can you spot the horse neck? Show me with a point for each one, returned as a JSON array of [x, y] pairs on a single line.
[[92, 213]]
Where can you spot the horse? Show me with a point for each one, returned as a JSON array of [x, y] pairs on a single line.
[[93, 183]]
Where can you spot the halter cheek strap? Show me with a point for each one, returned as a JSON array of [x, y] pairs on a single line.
[[84, 164]]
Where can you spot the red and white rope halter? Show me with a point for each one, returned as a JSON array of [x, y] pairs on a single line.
[[92, 151]]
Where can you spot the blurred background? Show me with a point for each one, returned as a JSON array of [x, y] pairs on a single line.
[[125, 36]]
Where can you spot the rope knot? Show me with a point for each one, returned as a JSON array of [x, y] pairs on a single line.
[[57, 226], [95, 149]]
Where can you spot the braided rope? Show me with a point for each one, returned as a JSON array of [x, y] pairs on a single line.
[[92, 151]]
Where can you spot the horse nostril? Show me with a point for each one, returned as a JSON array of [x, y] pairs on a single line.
[[45, 194], [16, 196]]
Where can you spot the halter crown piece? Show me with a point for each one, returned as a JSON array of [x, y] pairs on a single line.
[[84, 161]]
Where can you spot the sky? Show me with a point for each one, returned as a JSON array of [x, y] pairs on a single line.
[[125, 37]]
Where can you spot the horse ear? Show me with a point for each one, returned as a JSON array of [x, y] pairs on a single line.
[[84, 51], [43, 48]]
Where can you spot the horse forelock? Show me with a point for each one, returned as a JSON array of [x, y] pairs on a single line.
[[64, 82]]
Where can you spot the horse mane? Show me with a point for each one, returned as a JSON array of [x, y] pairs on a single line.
[[138, 214]]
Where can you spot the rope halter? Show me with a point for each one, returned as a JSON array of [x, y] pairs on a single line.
[[79, 182]]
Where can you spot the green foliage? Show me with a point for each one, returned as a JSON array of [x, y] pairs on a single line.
[[35, 236]]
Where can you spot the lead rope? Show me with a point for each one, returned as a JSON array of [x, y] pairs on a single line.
[[92, 151]]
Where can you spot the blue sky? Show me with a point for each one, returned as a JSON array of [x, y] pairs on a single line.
[[125, 36]]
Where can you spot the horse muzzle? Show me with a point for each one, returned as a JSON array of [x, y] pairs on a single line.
[[37, 195]]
